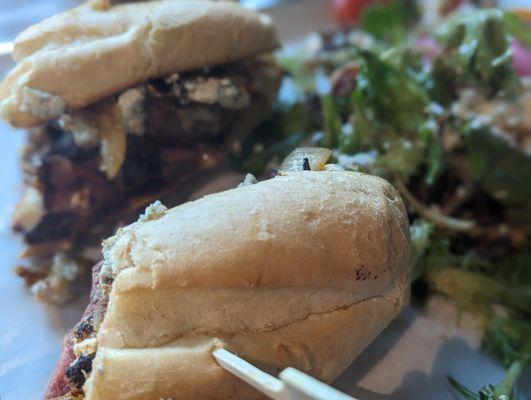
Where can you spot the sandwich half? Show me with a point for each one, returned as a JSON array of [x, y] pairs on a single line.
[[301, 270], [123, 102]]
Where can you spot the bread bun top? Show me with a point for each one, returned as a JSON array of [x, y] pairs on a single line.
[[83, 55], [298, 244]]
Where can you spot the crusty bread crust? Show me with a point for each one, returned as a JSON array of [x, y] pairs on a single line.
[[86, 54], [302, 270]]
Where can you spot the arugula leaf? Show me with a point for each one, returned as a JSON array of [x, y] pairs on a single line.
[[502, 170], [401, 156], [294, 118], [278, 135], [507, 387], [386, 95], [349, 140], [509, 339], [477, 52], [420, 233], [332, 122], [438, 254], [505, 390], [390, 22], [476, 291], [517, 27], [441, 82], [431, 141], [462, 390], [297, 67], [390, 112], [256, 163]]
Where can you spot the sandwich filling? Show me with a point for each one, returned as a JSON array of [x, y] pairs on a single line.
[[121, 153], [80, 344], [156, 292]]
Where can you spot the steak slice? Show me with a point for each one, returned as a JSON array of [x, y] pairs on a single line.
[[61, 384], [175, 128]]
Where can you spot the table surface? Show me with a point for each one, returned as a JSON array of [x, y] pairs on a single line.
[[409, 360]]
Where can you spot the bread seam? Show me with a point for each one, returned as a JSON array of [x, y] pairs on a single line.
[[214, 333]]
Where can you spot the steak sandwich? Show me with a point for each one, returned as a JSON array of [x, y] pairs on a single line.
[[124, 102], [302, 270]]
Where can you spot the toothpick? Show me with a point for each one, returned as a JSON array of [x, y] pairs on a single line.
[[292, 385]]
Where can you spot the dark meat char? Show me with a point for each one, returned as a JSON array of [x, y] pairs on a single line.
[[78, 371], [53, 226], [75, 190], [178, 132], [195, 122], [60, 383]]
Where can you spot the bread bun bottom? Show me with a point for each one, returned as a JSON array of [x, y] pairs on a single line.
[[322, 345]]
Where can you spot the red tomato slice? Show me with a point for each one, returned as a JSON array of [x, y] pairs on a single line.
[[349, 11]]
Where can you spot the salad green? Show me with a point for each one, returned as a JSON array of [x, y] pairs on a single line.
[[395, 107]]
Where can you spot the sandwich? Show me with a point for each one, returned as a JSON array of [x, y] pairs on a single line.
[[122, 103], [303, 270]]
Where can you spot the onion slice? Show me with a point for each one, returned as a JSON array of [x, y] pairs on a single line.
[[101, 122], [306, 158], [113, 141]]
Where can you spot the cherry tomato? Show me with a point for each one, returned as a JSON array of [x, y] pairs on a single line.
[[349, 11]]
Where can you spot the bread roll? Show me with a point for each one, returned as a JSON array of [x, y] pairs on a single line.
[[86, 54], [302, 270]]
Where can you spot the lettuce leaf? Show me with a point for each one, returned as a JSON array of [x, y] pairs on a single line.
[[517, 27]]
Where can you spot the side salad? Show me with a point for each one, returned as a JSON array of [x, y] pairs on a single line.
[[442, 109]]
